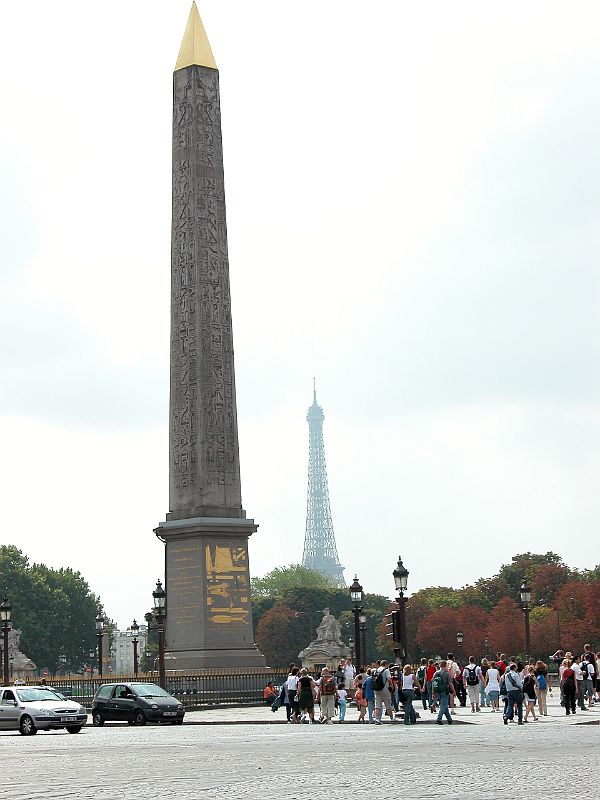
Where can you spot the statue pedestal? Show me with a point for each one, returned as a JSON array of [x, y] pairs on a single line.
[[323, 653], [327, 650], [209, 612]]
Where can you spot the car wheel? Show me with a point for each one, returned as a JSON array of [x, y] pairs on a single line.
[[97, 719], [74, 728], [139, 718], [27, 726]]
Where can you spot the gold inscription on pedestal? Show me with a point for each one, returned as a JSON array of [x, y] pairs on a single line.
[[183, 581], [227, 584]]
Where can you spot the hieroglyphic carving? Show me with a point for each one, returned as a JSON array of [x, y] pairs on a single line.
[[227, 589], [204, 467]]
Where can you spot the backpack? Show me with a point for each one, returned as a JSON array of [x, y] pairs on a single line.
[[379, 681], [472, 679], [439, 685], [542, 682], [584, 670], [569, 680], [421, 674], [327, 686]]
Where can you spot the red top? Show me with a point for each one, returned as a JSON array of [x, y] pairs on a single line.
[[430, 672]]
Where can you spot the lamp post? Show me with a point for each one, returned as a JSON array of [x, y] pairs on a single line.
[[351, 646], [460, 639], [362, 620], [62, 660], [401, 582], [135, 630], [525, 601], [5, 609], [356, 595], [100, 634], [91, 655], [486, 646], [160, 604]]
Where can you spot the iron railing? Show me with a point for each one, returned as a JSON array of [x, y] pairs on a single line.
[[202, 688]]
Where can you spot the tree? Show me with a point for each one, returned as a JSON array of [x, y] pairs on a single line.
[[281, 635], [282, 579], [548, 579], [436, 634], [54, 609], [544, 636], [506, 629], [524, 567]]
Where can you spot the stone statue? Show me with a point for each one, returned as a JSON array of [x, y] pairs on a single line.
[[329, 630], [327, 649]]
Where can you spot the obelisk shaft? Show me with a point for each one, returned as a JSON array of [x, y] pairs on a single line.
[[204, 459]]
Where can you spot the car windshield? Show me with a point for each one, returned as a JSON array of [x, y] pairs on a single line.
[[32, 694], [149, 690]]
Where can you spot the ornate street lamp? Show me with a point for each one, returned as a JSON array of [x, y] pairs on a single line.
[[356, 595], [100, 620], [91, 654], [525, 606], [5, 609], [401, 582], [160, 610], [351, 646], [460, 639], [135, 628]]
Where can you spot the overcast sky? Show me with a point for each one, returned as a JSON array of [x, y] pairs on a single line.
[[413, 212]]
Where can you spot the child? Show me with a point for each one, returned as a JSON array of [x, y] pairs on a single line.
[[361, 701], [342, 700], [530, 684]]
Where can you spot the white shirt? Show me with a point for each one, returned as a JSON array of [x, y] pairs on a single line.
[[408, 681], [493, 678], [342, 695], [577, 670], [349, 673], [591, 669], [475, 667], [453, 669], [291, 683]]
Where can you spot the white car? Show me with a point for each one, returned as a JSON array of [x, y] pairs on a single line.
[[37, 708]]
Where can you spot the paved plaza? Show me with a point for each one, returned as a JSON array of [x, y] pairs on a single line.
[[256, 758]]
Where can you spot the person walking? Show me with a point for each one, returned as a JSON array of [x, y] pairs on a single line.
[[569, 687], [342, 700], [579, 682], [291, 685], [369, 694], [473, 677], [589, 671], [349, 673], [543, 687], [530, 686], [429, 673], [381, 684], [492, 686], [359, 697], [306, 689], [327, 696], [484, 700], [410, 683], [514, 692], [443, 689], [454, 672], [422, 678]]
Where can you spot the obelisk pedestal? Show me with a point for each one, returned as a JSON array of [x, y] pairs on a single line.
[[209, 612]]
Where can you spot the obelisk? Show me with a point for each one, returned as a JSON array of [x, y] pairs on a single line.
[[209, 613]]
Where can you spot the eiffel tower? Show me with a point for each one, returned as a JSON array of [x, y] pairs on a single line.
[[320, 552]]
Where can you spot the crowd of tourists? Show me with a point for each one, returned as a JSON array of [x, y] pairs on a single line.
[[501, 685]]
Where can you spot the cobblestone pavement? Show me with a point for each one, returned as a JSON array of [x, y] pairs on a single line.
[[477, 760]]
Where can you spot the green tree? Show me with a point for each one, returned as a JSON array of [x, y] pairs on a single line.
[[54, 609], [282, 579]]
